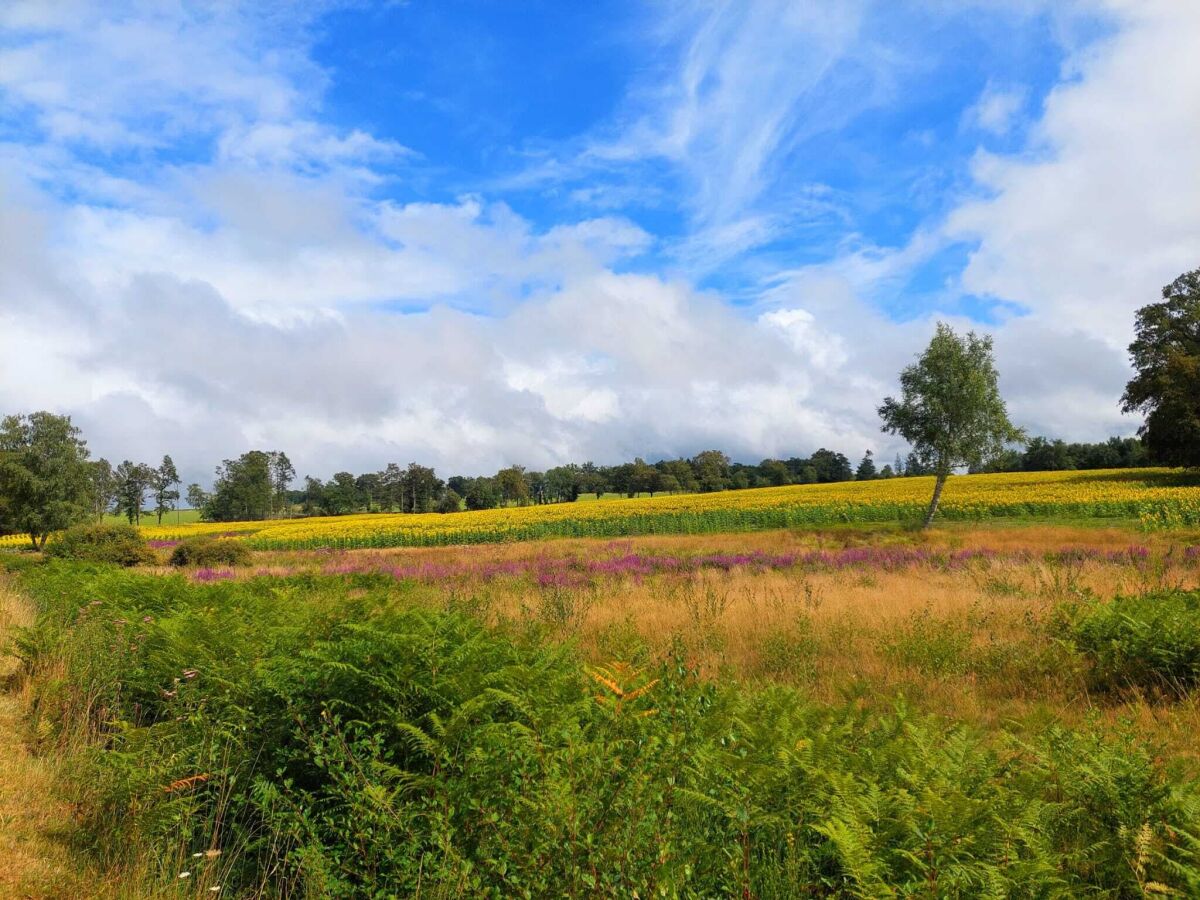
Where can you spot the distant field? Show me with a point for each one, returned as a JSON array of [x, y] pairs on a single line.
[[1155, 498], [178, 517]]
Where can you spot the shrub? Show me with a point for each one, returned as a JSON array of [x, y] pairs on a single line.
[[1150, 641], [209, 551], [122, 545]]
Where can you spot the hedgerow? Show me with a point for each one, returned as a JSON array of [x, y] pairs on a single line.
[[205, 550]]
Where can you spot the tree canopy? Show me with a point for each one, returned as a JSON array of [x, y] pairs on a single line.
[[950, 409], [1166, 387], [46, 481], [244, 488]]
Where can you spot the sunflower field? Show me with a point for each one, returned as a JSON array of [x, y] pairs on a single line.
[[1157, 498]]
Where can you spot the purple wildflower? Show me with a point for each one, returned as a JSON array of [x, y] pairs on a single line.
[[211, 575]]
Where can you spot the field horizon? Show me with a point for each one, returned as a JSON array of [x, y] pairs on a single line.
[[1154, 497]]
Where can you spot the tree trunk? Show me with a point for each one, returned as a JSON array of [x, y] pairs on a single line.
[[942, 475]]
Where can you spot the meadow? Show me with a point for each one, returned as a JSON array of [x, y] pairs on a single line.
[[174, 518], [959, 620], [1001, 706]]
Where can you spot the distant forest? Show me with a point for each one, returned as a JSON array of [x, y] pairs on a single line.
[[259, 484]]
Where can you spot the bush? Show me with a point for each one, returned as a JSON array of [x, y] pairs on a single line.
[[1150, 642], [122, 545], [209, 551]]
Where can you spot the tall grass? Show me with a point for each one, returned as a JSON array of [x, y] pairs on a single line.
[[326, 736]]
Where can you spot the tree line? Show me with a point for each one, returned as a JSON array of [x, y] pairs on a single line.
[[1042, 454], [950, 411]]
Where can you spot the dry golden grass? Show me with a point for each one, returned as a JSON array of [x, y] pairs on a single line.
[[1002, 536], [34, 859], [972, 643]]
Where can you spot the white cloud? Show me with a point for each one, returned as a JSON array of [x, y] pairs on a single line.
[[305, 146], [138, 75], [1102, 210], [608, 366], [997, 109], [249, 297]]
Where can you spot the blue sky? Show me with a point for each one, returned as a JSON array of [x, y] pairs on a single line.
[[482, 233], [514, 107], [497, 103]]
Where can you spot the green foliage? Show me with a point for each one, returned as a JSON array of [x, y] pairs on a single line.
[[210, 551], [46, 482], [1150, 642], [1166, 354], [132, 481], [165, 483], [450, 502], [481, 494], [866, 468], [340, 743], [511, 485], [788, 653], [122, 545], [931, 645], [244, 488], [950, 408], [1044, 455]]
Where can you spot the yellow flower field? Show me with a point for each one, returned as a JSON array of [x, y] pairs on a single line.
[[1159, 498]]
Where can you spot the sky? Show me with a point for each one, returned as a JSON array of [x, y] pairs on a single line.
[[473, 234]]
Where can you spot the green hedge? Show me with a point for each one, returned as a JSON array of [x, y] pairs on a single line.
[[210, 551]]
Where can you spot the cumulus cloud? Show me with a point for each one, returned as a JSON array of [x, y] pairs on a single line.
[[140, 75], [264, 293], [601, 365], [1102, 210]]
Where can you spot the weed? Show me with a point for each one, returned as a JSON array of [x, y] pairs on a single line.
[[930, 645]]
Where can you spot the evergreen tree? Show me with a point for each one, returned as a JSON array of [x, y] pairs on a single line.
[[165, 481], [866, 468]]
